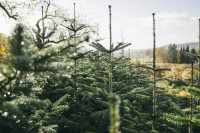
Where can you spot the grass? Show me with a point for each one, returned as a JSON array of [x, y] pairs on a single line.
[[178, 71]]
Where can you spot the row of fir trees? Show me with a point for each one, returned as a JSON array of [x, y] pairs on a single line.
[[49, 84]]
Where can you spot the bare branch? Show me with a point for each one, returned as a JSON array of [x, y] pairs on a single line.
[[7, 12]]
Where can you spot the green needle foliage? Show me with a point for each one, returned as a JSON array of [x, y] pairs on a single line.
[[23, 78]]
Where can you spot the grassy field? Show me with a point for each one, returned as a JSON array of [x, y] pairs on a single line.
[[178, 71], [141, 60]]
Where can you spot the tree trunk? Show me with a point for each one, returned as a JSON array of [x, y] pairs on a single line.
[[154, 76]]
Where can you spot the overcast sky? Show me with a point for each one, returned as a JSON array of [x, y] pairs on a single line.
[[176, 20]]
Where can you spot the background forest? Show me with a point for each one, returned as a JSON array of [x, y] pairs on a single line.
[[50, 82], [171, 54]]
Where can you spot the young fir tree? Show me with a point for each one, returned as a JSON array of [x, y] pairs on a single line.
[[23, 79], [69, 82], [113, 124], [159, 95]]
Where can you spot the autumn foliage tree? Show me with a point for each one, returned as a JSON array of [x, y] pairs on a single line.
[[3, 48]]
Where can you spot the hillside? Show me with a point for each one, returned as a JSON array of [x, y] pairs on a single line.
[[191, 44]]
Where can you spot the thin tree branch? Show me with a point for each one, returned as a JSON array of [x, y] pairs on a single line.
[[7, 12]]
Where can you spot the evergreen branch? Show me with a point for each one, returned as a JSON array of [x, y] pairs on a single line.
[[175, 119], [126, 120], [165, 78], [99, 47], [9, 80], [60, 100], [150, 71], [120, 47], [53, 66], [56, 42], [190, 54], [39, 56], [193, 90], [178, 109], [177, 82], [163, 69], [135, 91], [143, 66], [80, 55]]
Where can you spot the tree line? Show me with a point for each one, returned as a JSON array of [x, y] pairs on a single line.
[[171, 54]]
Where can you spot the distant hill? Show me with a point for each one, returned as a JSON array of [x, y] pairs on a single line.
[[191, 45], [142, 52]]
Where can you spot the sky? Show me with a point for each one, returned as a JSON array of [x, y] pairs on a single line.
[[176, 20]]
